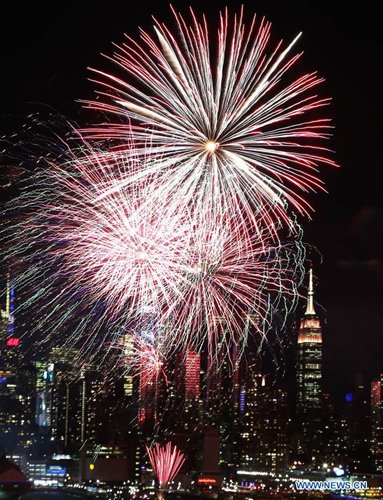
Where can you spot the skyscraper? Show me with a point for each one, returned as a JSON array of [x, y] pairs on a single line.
[[264, 421], [76, 395], [16, 382], [10, 354], [149, 366], [16, 409], [44, 387], [377, 424], [309, 376], [10, 305], [128, 353], [356, 414], [185, 391], [192, 367], [248, 408]]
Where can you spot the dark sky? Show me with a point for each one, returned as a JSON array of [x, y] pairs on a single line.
[[44, 54]]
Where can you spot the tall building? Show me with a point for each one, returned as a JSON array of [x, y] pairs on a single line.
[[128, 354], [76, 411], [129, 400], [249, 399], [44, 386], [356, 411], [377, 424], [264, 422], [16, 382], [187, 390], [309, 378], [220, 388], [191, 378], [150, 370], [10, 305], [10, 352], [150, 384], [16, 409]]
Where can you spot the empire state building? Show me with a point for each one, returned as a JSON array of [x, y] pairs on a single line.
[[309, 358]]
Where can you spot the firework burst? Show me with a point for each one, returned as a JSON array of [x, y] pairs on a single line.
[[183, 214], [234, 274], [166, 461], [92, 260], [227, 119]]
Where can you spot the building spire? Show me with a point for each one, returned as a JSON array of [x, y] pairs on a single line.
[[310, 297]]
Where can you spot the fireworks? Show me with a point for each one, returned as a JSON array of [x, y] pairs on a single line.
[[234, 275], [142, 352], [224, 119], [180, 208], [109, 256], [100, 261], [166, 461]]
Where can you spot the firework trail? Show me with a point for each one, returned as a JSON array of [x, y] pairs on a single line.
[[226, 119], [166, 461]]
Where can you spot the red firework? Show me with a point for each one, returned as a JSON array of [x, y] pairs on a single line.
[[166, 461], [227, 116]]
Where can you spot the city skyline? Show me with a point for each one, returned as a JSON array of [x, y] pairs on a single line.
[[61, 417]]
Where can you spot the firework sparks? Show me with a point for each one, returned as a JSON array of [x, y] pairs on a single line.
[[235, 273], [166, 461], [227, 119], [183, 215], [141, 349], [105, 256], [87, 263]]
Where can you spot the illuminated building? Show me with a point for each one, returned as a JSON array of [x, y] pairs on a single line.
[[248, 407], [89, 407], [65, 422], [109, 463], [151, 382], [309, 356], [10, 305], [219, 392], [309, 377], [63, 355], [192, 368], [147, 397], [377, 424], [185, 390], [128, 353], [356, 416], [77, 407], [3, 325], [75, 396], [264, 422], [10, 353], [44, 388], [16, 382], [16, 403]]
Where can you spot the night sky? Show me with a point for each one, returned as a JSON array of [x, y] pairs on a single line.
[[44, 56]]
